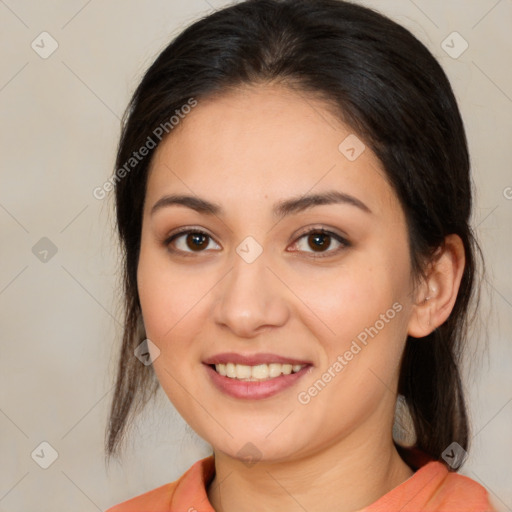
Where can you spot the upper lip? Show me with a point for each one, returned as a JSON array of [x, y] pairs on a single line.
[[252, 359]]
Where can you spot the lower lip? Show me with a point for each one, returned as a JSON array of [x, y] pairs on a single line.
[[254, 390]]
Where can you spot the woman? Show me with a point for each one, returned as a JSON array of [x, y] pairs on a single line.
[[293, 200]]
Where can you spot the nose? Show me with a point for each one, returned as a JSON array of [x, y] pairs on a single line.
[[250, 299]]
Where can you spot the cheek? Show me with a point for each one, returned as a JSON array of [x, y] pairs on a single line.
[[360, 314], [167, 296], [174, 303], [167, 302], [361, 331], [343, 301]]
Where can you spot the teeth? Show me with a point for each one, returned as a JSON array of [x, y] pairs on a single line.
[[230, 370], [242, 371], [258, 372], [274, 370]]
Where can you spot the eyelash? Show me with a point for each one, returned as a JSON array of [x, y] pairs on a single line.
[[185, 231]]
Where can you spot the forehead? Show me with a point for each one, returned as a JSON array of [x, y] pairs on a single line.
[[266, 141]]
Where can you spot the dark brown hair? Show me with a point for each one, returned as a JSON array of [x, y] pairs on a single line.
[[388, 87]]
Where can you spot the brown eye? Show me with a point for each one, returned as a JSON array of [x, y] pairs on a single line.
[[196, 241], [320, 241], [189, 241]]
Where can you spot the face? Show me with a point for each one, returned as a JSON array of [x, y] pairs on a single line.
[[251, 278]]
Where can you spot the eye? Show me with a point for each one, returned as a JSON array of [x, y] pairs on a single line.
[[189, 241], [320, 241]]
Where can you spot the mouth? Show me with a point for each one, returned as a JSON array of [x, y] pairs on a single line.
[[255, 376], [256, 373]]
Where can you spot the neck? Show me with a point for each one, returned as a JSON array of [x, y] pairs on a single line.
[[343, 477]]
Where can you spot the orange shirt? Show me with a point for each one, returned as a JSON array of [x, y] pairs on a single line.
[[432, 488]]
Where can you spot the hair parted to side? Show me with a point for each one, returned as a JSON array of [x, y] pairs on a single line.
[[381, 81]]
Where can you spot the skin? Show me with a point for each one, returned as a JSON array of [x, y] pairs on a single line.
[[246, 151]]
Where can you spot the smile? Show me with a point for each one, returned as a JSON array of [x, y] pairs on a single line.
[[265, 381], [256, 373]]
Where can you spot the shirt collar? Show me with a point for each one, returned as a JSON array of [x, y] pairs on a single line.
[[190, 494]]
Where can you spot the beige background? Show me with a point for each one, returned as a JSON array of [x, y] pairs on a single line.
[[60, 317]]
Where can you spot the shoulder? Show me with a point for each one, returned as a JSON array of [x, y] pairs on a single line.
[[158, 499], [189, 487], [458, 489], [441, 490], [433, 487]]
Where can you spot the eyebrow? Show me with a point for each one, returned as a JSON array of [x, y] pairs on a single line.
[[280, 209]]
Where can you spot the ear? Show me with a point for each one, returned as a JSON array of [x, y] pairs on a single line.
[[436, 295]]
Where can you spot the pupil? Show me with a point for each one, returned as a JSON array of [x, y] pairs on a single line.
[[196, 241], [319, 241]]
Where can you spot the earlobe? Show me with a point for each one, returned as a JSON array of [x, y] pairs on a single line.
[[438, 293]]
